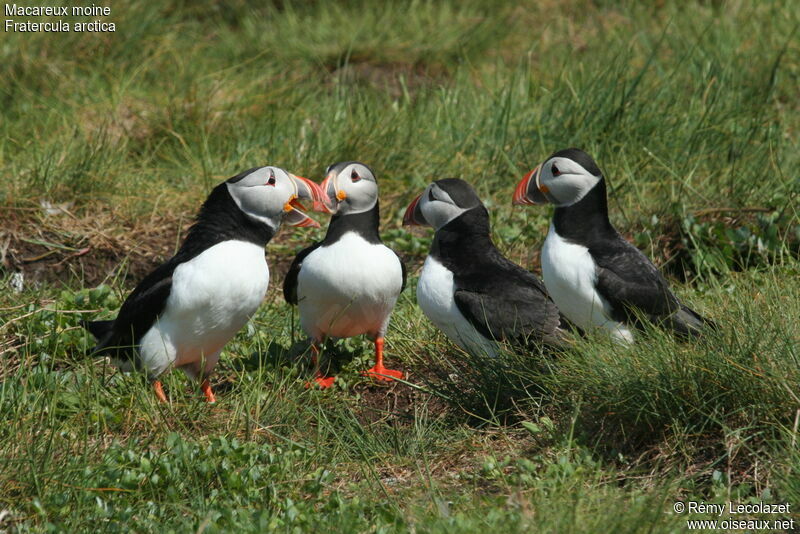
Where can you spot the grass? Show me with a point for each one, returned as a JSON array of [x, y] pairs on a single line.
[[689, 107]]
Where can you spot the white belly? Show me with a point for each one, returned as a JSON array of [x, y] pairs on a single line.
[[212, 296], [435, 291], [348, 288], [570, 275]]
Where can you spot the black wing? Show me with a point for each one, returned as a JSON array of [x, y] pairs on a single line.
[[509, 304], [290, 282], [687, 322], [630, 282], [139, 311], [405, 271]]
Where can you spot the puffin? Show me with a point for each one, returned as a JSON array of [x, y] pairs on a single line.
[[347, 284], [184, 312], [597, 278], [467, 288]]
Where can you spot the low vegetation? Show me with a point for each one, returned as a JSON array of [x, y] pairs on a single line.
[[109, 142]]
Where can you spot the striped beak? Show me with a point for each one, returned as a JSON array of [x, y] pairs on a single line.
[[530, 191], [330, 195], [413, 215], [306, 188], [293, 209]]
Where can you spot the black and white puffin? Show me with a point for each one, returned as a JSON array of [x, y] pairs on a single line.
[[184, 312], [467, 288], [348, 283], [597, 278]]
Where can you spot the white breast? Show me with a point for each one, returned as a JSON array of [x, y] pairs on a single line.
[[212, 296], [348, 288], [570, 275], [435, 291]]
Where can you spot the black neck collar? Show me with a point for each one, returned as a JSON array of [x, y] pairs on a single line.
[[464, 238], [220, 219], [366, 224], [586, 220]]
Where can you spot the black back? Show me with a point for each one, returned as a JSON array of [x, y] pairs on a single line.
[[219, 219], [499, 298], [626, 278]]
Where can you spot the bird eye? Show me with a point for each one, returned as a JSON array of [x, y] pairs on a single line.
[[431, 198], [354, 176], [555, 170], [271, 180]]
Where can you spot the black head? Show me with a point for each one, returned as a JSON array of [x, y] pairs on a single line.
[[441, 202], [349, 187], [563, 179], [270, 195], [580, 157]]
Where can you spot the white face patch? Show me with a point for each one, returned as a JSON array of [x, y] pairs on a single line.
[[566, 181], [263, 194], [358, 186], [438, 207]]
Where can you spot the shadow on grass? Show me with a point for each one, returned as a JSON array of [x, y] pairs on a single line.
[[489, 390], [336, 357]]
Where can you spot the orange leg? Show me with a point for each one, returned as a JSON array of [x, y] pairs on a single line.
[[379, 372], [206, 388], [324, 382], [159, 391]]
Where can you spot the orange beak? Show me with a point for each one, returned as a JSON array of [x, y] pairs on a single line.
[[307, 222], [307, 189], [294, 203], [328, 195], [521, 192], [294, 209], [412, 216], [529, 190]]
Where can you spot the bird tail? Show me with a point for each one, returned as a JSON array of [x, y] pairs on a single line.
[[102, 331], [561, 335], [688, 323]]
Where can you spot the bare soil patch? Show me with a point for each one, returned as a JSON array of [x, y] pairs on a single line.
[[395, 77], [396, 403], [67, 249], [62, 248]]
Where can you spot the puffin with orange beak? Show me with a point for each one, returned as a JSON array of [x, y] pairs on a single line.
[[347, 284], [184, 312], [597, 278], [467, 288]]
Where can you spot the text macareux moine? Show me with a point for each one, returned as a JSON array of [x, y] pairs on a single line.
[[13, 10]]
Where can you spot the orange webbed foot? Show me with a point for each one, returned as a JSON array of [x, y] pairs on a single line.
[[382, 373], [159, 391], [378, 371], [209, 394], [322, 382]]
